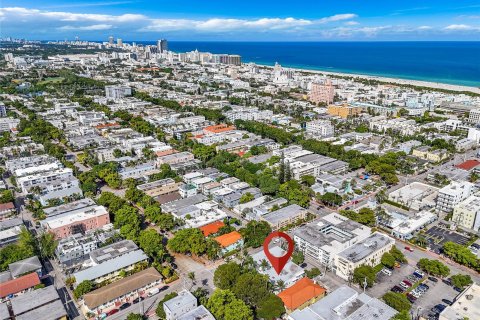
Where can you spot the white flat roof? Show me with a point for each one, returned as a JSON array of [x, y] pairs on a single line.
[[75, 216]]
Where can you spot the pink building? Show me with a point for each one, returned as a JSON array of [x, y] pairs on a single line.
[[322, 92], [76, 221]]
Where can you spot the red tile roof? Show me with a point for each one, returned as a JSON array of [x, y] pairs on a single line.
[[165, 152], [211, 228], [6, 206], [468, 165], [218, 128], [106, 125], [228, 239], [300, 293], [19, 284]]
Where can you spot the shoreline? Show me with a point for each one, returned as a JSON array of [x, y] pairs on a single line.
[[387, 80]]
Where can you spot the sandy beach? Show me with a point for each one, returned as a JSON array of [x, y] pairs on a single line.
[[433, 85]]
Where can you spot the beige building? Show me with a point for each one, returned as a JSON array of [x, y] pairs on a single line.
[[366, 252], [344, 111], [283, 217], [159, 187], [426, 153], [467, 213]]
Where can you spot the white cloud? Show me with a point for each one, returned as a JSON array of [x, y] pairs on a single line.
[[461, 27], [424, 28], [338, 17], [351, 23], [221, 25], [87, 28], [25, 13]]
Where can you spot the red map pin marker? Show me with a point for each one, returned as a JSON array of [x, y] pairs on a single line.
[[278, 263]]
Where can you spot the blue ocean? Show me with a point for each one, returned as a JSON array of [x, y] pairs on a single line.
[[445, 62]]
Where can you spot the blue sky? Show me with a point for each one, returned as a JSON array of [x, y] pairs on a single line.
[[244, 20]]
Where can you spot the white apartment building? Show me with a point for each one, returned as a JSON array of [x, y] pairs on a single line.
[[366, 252], [333, 234], [320, 128], [244, 113], [38, 169], [178, 306], [59, 189], [30, 181], [467, 213], [474, 116], [117, 92], [451, 195], [7, 124], [27, 162], [89, 118]]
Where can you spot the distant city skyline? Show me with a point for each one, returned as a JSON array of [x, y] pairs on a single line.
[[347, 20]]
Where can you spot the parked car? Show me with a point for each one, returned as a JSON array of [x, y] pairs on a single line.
[[387, 271], [424, 285], [412, 278], [447, 302], [421, 289], [439, 308], [404, 285], [124, 306], [433, 279], [137, 300], [408, 283], [113, 311], [416, 293], [447, 282], [409, 249], [458, 289], [411, 298], [397, 289], [153, 292], [420, 272]]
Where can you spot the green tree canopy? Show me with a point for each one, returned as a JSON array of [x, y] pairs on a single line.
[[224, 305], [188, 240], [461, 280], [255, 233], [364, 272], [226, 275], [271, 307], [84, 287], [388, 260], [251, 287], [433, 267], [397, 301]]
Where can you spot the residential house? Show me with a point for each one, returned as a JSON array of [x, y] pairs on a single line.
[[121, 291]]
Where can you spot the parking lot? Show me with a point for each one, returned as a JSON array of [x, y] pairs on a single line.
[[437, 236], [434, 296], [423, 305], [385, 283]]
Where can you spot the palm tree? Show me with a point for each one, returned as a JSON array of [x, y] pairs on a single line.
[[381, 196], [264, 264], [280, 285]]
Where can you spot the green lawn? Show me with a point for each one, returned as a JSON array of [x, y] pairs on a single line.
[[51, 80]]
